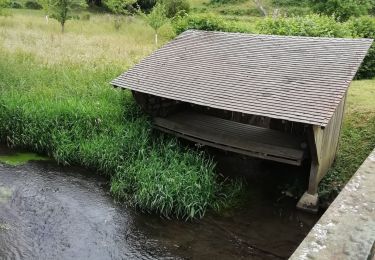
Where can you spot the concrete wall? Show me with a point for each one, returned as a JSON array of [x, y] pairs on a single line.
[[347, 228]]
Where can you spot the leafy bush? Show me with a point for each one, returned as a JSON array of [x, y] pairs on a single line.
[[33, 5], [292, 7], [310, 25], [220, 2], [342, 9], [237, 11], [174, 7], [146, 4], [364, 27], [288, 3], [209, 22], [295, 10], [15, 5], [3, 4]]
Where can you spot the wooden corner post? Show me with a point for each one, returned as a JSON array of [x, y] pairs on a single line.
[[323, 143]]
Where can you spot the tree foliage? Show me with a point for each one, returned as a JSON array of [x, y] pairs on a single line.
[[3, 4], [146, 5], [342, 9], [174, 7], [61, 10], [311, 25], [119, 7], [364, 27], [156, 19]]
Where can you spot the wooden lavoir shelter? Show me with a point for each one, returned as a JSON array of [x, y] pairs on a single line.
[[278, 98]]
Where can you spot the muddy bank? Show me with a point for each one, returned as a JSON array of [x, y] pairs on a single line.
[[47, 211]]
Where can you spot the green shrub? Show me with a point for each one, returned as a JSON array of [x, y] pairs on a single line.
[[289, 3], [342, 9], [311, 25], [295, 10], [3, 4], [220, 2], [237, 11], [146, 5], [209, 22], [33, 5], [364, 27], [175, 7], [15, 5]]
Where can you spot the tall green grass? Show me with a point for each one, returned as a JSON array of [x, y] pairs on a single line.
[[71, 113], [357, 138]]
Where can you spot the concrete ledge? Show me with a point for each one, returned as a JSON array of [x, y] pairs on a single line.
[[347, 228]]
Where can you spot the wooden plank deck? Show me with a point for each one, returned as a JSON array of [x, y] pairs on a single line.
[[233, 136]]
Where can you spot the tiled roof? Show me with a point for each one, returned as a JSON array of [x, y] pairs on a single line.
[[299, 79]]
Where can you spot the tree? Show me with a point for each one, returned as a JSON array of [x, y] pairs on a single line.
[[156, 19], [60, 9], [175, 7], [342, 9], [119, 8]]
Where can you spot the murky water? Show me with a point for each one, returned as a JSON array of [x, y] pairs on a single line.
[[52, 212]]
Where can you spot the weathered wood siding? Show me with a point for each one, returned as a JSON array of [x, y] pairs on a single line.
[[327, 139]]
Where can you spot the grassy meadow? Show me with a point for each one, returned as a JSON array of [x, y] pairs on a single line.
[[55, 99]]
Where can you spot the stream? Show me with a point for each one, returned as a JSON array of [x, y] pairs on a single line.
[[53, 212]]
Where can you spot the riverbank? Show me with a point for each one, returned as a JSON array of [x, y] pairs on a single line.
[[49, 211]]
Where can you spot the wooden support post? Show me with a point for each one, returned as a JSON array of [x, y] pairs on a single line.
[[309, 201], [323, 144], [313, 178]]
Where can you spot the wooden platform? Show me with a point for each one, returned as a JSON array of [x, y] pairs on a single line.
[[232, 136]]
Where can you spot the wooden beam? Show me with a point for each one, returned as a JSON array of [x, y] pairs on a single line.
[[233, 136]]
